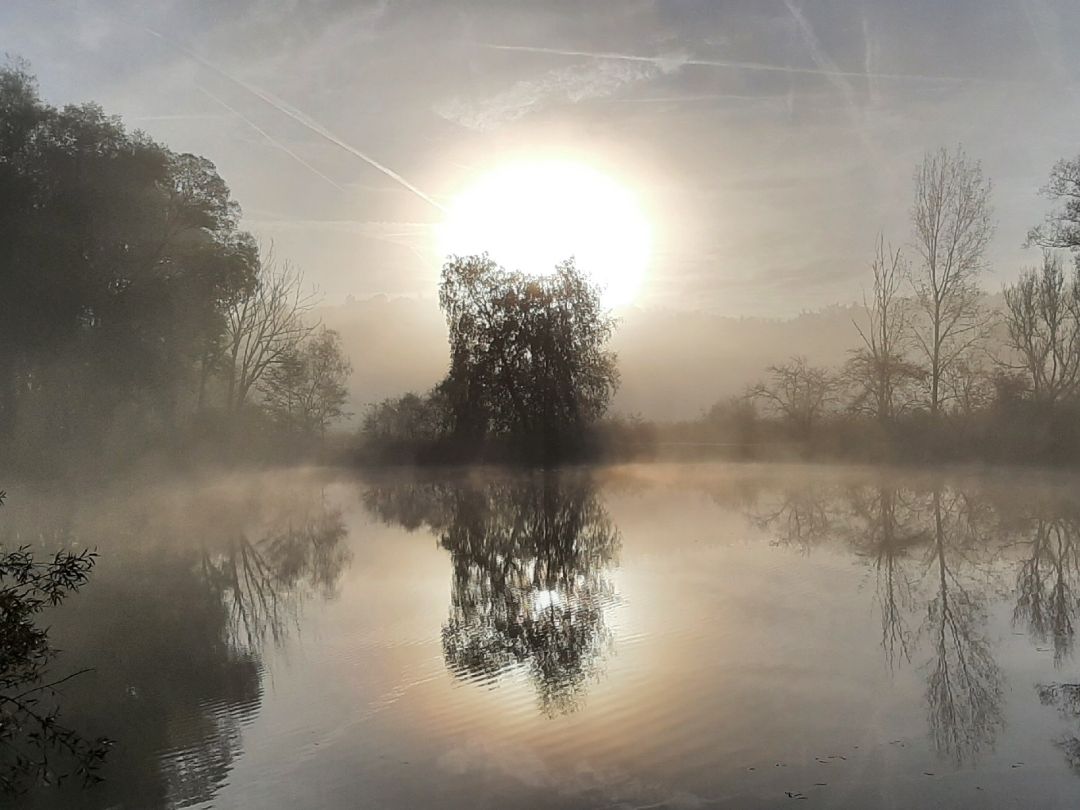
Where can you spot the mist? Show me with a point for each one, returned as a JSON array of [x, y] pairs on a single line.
[[548, 405]]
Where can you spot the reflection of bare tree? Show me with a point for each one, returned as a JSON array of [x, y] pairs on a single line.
[[529, 589], [885, 531], [263, 581], [801, 518], [964, 688], [1066, 697], [1045, 594], [890, 526]]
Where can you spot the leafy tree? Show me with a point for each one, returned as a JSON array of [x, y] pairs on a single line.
[[528, 356], [37, 747], [306, 389], [952, 222], [410, 417], [117, 259]]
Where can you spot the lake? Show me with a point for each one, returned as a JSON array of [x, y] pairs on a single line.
[[653, 636]]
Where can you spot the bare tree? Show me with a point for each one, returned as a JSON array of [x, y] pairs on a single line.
[[879, 369], [952, 221], [265, 328], [1042, 313], [797, 391], [1062, 226]]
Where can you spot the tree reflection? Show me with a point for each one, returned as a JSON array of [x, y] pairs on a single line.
[[964, 687], [886, 529], [262, 581], [1045, 580], [529, 590], [931, 549], [187, 591]]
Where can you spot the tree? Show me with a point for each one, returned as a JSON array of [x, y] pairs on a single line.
[[882, 374], [797, 391], [952, 222], [410, 417], [1062, 226], [265, 328], [1042, 314], [36, 746], [528, 356], [306, 390], [117, 256]]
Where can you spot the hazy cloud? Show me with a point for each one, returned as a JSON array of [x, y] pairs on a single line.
[[573, 84]]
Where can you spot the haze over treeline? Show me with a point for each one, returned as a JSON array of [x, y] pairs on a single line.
[[140, 316]]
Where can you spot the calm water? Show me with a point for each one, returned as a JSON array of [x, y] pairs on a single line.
[[640, 637]]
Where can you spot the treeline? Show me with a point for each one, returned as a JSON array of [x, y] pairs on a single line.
[[135, 315], [939, 369]]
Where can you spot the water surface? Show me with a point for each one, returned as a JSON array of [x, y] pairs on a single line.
[[653, 636]]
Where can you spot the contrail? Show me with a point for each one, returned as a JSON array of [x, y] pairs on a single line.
[[271, 141], [831, 71], [739, 65], [303, 119]]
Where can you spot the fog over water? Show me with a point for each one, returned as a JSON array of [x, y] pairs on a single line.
[[671, 636]]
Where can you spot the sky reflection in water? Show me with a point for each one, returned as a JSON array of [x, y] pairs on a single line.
[[701, 636]]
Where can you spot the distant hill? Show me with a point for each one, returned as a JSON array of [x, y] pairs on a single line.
[[674, 364]]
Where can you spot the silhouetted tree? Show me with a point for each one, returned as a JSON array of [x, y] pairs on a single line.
[[880, 371], [800, 393], [118, 258], [528, 356], [952, 222], [36, 747], [265, 328], [1042, 313], [306, 389]]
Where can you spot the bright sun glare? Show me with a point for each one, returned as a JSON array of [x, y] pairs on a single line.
[[531, 216]]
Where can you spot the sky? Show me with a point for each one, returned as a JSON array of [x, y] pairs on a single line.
[[767, 141]]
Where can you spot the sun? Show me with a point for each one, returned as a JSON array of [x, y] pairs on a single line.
[[530, 216]]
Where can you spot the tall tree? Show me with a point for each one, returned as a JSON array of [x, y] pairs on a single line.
[[880, 370], [953, 226], [529, 355], [1042, 314], [117, 257], [264, 328]]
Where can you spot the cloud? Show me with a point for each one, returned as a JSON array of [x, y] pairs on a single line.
[[661, 61], [602, 78]]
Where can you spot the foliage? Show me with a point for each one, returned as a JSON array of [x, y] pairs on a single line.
[[134, 307], [528, 356], [305, 390], [118, 257], [38, 748]]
